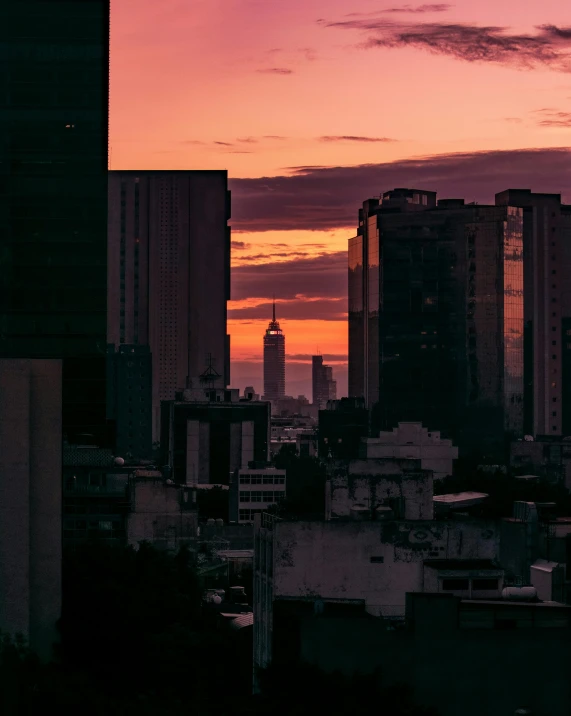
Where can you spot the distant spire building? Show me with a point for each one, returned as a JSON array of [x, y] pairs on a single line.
[[274, 360], [324, 387]]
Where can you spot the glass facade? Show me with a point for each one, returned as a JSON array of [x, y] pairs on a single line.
[[356, 319], [443, 342], [54, 88]]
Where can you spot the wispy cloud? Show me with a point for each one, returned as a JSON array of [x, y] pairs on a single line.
[[224, 144], [352, 138], [275, 71], [299, 308], [553, 118], [549, 46], [247, 140], [278, 137], [329, 197], [513, 120], [405, 9], [240, 245]]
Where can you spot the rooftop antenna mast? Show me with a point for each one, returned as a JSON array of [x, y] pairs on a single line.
[[274, 308]]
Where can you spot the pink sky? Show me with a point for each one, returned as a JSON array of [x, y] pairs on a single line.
[[257, 86]]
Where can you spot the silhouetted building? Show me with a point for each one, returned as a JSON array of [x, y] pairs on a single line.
[[341, 427], [30, 508], [53, 196], [253, 489], [324, 387], [208, 434], [169, 274], [547, 310], [436, 317], [274, 360], [129, 386]]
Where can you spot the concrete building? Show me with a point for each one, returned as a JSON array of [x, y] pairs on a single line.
[[274, 360], [324, 387], [209, 434], [412, 440], [546, 456], [307, 443], [547, 309], [448, 644], [253, 490], [161, 513], [169, 274], [129, 400], [436, 317], [361, 562], [379, 489], [30, 504], [54, 120]]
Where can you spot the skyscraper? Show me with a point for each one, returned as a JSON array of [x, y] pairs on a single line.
[[547, 309], [436, 316], [274, 360], [54, 102], [324, 387], [169, 275]]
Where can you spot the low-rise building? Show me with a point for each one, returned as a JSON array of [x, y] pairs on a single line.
[[160, 512], [255, 489], [364, 562], [412, 440], [516, 651], [545, 456]]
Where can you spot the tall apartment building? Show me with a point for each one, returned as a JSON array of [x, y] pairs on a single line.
[[169, 275], [547, 309], [274, 360], [436, 317], [30, 508], [54, 99], [324, 387]]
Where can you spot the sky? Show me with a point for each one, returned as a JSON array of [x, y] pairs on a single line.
[[314, 106]]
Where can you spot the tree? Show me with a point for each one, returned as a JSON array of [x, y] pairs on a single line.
[[305, 484]]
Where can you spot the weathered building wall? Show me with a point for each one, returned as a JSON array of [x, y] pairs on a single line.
[[394, 482], [162, 515], [373, 561]]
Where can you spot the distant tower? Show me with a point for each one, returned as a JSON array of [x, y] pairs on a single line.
[[274, 360]]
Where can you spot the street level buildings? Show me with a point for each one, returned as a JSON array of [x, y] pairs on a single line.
[[274, 360], [169, 275], [436, 317], [54, 99]]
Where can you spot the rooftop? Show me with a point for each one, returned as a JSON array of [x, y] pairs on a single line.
[[461, 564], [456, 498]]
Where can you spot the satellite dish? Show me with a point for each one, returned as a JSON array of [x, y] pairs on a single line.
[[119, 461], [217, 599]]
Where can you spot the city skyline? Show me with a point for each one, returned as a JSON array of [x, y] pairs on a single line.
[[285, 57]]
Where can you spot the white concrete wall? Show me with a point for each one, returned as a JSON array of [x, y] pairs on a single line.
[[332, 560], [369, 482]]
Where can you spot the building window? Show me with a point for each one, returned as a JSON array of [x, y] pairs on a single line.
[[484, 585], [455, 585], [377, 560]]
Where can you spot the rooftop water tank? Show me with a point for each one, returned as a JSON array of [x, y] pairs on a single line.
[[219, 522], [359, 512], [520, 594], [210, 522]]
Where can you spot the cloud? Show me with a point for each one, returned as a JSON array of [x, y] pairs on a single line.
[[350, 138], [550, 46], [247, 140], [323, 277], [513, 120], [276, 71], [553, 118], [418, 9], [329, 197], [275, 136], [224, 144], [240, 245], [192, 141], [298, 309]]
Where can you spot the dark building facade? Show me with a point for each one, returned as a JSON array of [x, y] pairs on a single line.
[[547, 309], [206, 437], [341, 428], [436, 316], [129, 404], [274, 360], [54, 98], [169, 274], [324, 387]]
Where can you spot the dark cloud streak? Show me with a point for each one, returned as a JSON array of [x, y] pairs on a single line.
[[329, 197], [353, 138]]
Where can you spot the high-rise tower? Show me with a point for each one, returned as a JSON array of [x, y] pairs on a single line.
[[274, 360], [54, 99]]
